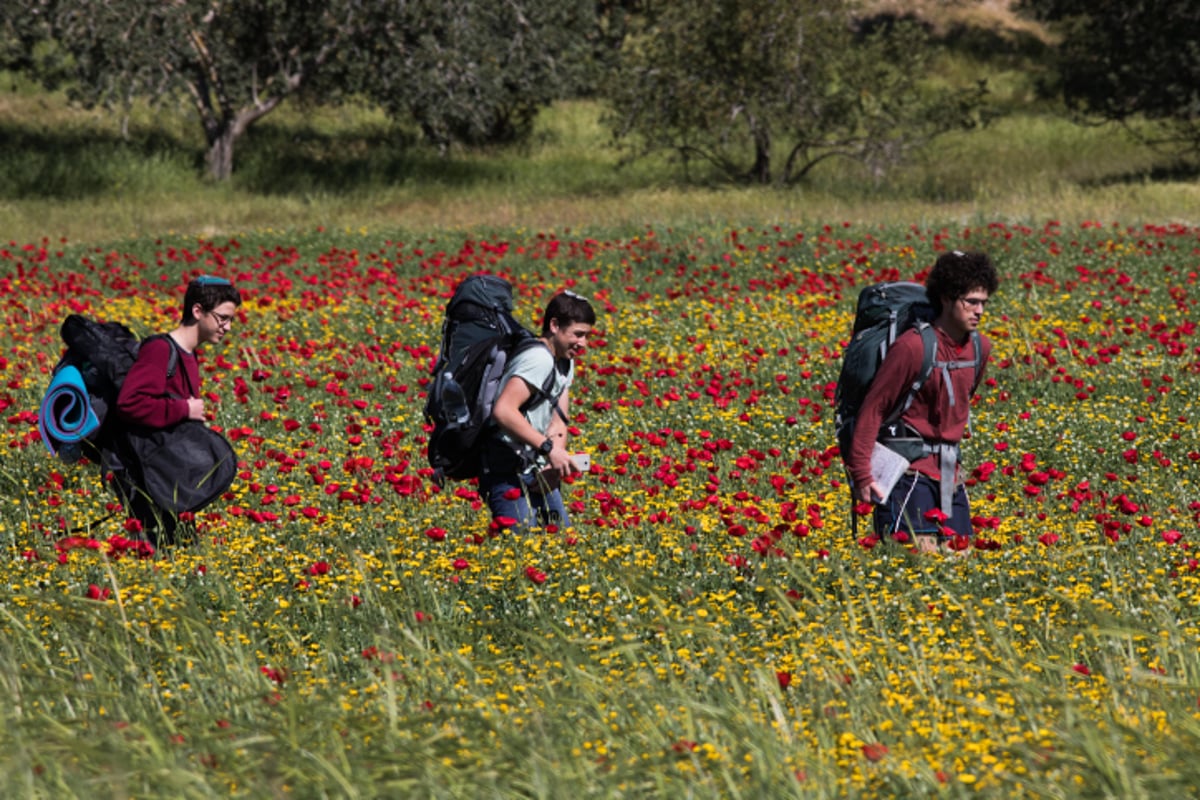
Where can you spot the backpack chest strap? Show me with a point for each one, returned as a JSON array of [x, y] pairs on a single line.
[[946, 367]]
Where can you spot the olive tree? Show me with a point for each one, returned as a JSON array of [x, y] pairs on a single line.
[[235, 62], [466, 70], [477, 71], [765, 90], [1120, 60]]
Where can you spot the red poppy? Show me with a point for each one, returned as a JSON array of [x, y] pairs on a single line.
[[958, 543], [501, 522], [278, 676], [874, 751]]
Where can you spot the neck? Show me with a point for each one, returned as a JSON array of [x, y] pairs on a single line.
[[187, 337], [952, 330]]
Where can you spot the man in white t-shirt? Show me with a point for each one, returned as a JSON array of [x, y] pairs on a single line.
[[528, 451]]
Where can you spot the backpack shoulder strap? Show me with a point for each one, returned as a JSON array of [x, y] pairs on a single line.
[[977, 341], [542, 393], [928, 359], [172, 357]]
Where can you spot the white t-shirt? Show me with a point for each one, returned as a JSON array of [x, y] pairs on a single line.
[[533, 365]]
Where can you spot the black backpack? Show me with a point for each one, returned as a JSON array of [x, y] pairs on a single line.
[[479, 338], [884, 311], [103, 353]]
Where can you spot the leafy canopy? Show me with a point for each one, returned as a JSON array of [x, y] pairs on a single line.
[[1124, 59], [748, 84]]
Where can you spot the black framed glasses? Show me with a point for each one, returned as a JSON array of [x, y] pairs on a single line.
[[223, 320]]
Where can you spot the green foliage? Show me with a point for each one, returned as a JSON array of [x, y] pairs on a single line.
[[234, 63], [1121, 60], [69, 173], [744, 84], [469, 71], [475, 71]]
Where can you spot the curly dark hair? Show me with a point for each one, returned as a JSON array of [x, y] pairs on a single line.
[[956, 273]]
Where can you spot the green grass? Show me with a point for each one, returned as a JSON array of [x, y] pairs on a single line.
[[74, 174]]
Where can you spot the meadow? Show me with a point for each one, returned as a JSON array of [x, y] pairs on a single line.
[[711, 625]]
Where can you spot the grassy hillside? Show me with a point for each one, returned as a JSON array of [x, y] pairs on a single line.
[[89, 176]]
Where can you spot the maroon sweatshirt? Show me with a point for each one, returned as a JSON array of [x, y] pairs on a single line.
[[930, 414], [147, 397]]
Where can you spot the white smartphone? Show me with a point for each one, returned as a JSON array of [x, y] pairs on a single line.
[[582, 461]]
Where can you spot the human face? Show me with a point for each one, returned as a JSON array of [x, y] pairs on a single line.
[[966, 311], [569, 341], [216, 323]]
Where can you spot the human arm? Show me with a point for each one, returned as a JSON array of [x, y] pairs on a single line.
[[888, 389], [507, 412]]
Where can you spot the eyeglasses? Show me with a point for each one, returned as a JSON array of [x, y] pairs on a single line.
[[210, 280], [574, 296], [974, 302], [223, 320]]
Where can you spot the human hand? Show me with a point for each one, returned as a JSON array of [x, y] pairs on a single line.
[[561, 460], [869, 493]]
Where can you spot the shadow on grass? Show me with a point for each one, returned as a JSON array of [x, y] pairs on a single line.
[[1179, 171], [37, 162], [279, 161], [80, 162]]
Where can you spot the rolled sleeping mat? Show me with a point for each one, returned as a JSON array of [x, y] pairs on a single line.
[[66, 415]]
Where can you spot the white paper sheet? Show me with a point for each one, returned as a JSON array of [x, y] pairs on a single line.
[[886, 468]]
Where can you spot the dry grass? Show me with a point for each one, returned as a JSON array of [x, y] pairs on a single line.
[[998, 16]]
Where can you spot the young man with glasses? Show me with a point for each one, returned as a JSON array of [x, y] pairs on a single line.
[[152, 398], [929, 502], [527, 453]]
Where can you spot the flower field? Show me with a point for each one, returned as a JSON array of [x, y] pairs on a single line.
[[712, 625]]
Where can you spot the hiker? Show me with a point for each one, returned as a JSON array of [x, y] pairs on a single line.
[[154, 397], [929, 501], [526, 452]]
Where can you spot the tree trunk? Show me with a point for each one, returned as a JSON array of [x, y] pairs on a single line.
[[761, 171], [219, 158]]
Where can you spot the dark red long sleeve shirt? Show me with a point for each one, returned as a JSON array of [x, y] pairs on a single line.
[[930, 414], [147, 397]]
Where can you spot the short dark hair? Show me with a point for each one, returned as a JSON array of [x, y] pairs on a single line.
[[568, 308], [957, 272], [209, 291]]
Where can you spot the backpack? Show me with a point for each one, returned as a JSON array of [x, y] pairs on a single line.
[[479, 338], [884, 311], [84, 386]]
